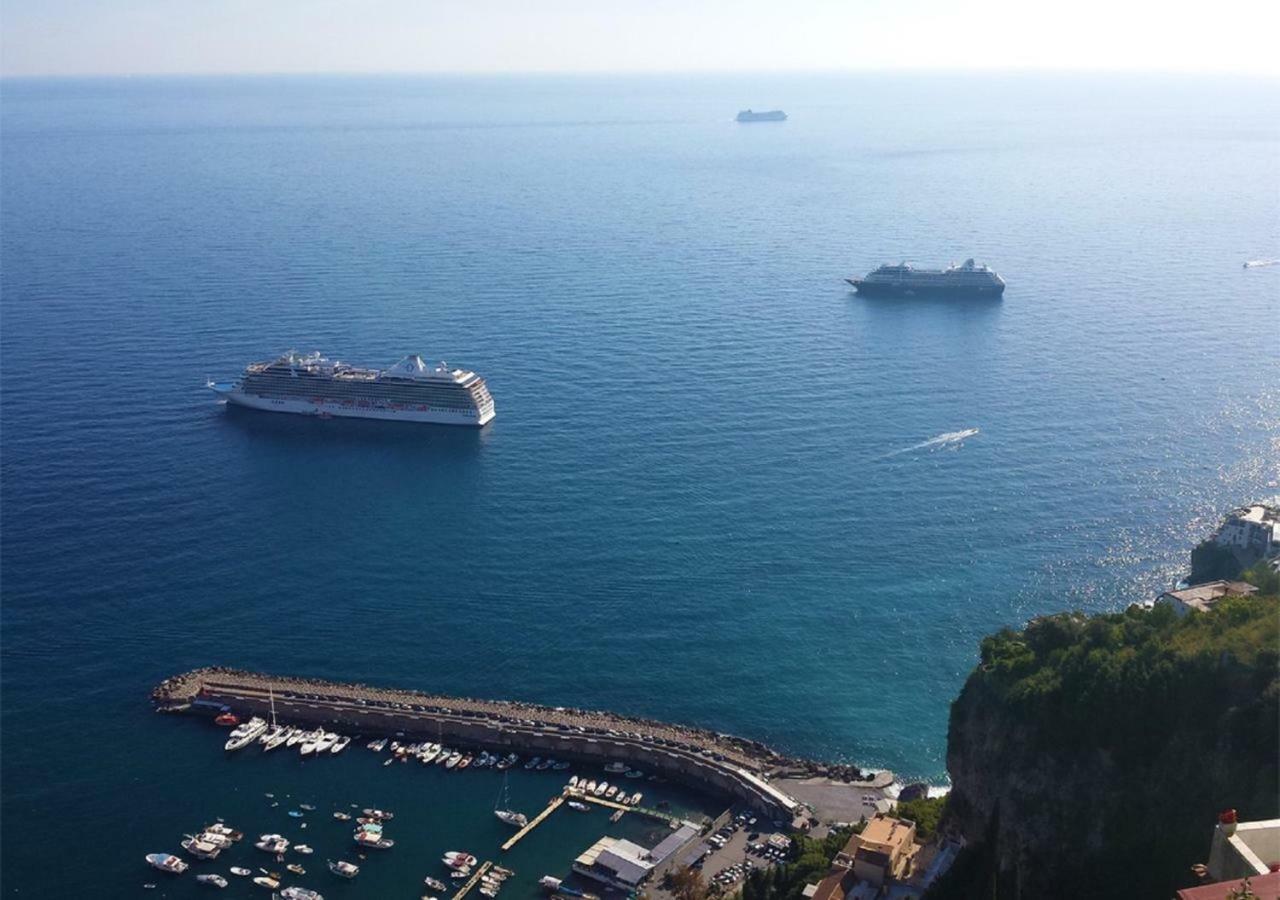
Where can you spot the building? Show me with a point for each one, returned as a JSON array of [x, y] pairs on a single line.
[[1202, 597], [883, 851], [1251, 530], [615, 862], [625, 865], [1243, 848]]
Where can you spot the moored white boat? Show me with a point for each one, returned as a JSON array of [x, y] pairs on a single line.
[[216, 880], [343, 869], [245, 734], [166, 862]]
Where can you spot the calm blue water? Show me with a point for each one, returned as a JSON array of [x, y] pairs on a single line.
[[696, 501]]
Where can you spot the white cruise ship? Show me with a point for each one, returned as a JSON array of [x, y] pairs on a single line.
[[409, 391]]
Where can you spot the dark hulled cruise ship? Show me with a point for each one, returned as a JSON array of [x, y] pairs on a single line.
[[904, 280]]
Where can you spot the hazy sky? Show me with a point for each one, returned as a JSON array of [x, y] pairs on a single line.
[[60, 37]]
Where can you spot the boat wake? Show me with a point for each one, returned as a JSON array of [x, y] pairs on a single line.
[[1261, 263], [947, 440]]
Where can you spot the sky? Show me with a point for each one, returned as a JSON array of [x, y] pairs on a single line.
[[130, 37]]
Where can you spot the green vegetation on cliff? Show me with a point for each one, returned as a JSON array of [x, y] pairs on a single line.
[[1090, 754]]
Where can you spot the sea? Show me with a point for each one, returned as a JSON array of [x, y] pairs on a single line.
[[721, 489]]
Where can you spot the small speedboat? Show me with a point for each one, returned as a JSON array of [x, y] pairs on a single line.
[[615, 768], [634, 773], [533, 763], [227, 719], [166, 862], [216, 880], [600, 788], [579, 806], [457, 858], [635, 799], [573, 781], [459, 874], [344, 869], [240, 871], [453, 760], [561, 766], [266, 881], [465, 761], [379, 814], [608, 794], [435, 884], [340, 744], [296, 869], [342, 817], [511, 817], [303, 849], [545, 764]]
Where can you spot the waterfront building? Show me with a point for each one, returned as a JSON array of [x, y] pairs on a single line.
[[615, 862], [883, 851], [1202, 597], [1251, 531]]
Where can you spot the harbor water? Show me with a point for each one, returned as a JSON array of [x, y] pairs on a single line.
[[720, 488]]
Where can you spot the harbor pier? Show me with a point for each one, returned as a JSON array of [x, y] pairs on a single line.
[[723, 765]]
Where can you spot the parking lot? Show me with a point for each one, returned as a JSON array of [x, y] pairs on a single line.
[[725, 857]]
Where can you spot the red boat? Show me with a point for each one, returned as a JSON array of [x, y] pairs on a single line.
[[227, 719]]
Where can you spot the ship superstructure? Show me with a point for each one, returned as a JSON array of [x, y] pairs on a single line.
[[410, 391], [904, 279]]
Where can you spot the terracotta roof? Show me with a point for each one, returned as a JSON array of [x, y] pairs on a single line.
[[1266, 887]]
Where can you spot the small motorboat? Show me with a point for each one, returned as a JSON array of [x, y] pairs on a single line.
[[615, 768], [435, 884], [600, 788], [635, 799], [590, 787], [379, 814], [227, 719], [296, 869], [266, 881], [296, 814], [634, 773], [340, 744], [459, 874], [608, 794], [533, 763], [617, 816], [511, 817], [240, 871], [546, 764], [307, 806], [342, 817], [573, 781], [344, 869], [579, 806], [303, 849], [459, 856], [560, 766], [166, 862], [216, 880]]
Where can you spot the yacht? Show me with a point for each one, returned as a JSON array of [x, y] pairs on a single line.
[[201, 849], [166, 862], [376, 842], [502, 808], [344, 869], [246, 734], [299, 893]]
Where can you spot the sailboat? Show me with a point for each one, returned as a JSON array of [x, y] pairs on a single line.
[[511, 817]]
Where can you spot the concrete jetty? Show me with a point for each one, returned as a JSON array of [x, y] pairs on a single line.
[[724, 765]]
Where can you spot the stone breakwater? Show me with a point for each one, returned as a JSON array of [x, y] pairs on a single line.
[[722, 763]]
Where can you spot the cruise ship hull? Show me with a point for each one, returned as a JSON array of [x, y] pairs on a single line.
[[881, 289], [352, 410]]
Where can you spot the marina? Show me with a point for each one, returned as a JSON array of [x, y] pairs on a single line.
[[737, 770]]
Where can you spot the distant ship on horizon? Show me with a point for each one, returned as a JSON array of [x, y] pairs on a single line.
[[773, 115], [409, 391], [967, 279]]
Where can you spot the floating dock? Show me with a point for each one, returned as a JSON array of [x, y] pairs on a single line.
[[473, 880], [722, 765]]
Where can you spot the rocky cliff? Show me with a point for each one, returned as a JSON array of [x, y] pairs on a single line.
[[1090, 755]]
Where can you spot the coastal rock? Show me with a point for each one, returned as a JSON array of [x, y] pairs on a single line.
[[1089, 756]]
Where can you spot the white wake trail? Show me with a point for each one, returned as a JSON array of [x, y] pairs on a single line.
[[946, 439]]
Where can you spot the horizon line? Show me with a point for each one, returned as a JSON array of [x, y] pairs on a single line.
[[640, 73]]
